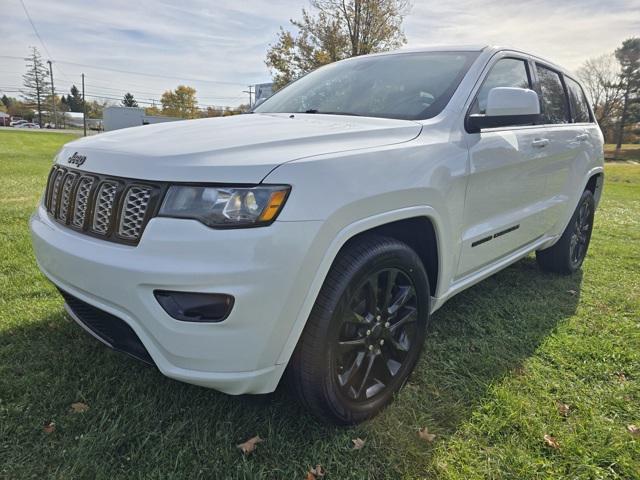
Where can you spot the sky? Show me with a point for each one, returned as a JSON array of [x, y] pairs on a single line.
[[219, 46]]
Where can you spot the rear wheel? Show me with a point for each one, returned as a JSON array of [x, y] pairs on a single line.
[[365, 332], [567, 255]]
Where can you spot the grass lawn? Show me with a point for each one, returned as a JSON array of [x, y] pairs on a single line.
[[499, 359], [628, 152]]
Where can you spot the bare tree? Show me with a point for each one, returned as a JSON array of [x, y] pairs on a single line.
[[333, 30], [372, 25], [601, 79]]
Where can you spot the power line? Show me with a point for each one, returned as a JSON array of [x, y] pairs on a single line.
[[35, 30]]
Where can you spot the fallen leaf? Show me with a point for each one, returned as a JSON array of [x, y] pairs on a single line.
[[551, 441], [79, 407], [424, 434], [621, 376], [250, 445], [358, 443], [572, 292], [49, 426], [633, 430], [563, 409], [315, 473]]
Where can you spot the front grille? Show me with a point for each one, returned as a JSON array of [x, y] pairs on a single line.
[[113, 208], [111, 329]]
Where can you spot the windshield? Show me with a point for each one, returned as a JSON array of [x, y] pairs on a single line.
[[411, 86]]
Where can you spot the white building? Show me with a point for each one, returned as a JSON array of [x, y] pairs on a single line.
[[115, 118]]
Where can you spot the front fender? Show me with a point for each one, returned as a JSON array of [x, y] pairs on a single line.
[[334, 246]]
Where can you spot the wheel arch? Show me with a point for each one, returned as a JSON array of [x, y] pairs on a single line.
[[396, 224]]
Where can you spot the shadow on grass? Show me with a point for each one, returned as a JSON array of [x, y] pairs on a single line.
[[143, 424]]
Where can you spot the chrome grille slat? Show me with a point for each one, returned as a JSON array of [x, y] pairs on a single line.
[[65, 199], [111, 208], [82, 201], [55, 190], [134, 209], [104, 207]]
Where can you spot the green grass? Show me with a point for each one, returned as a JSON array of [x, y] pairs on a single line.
[[628, 152], [498, 358]]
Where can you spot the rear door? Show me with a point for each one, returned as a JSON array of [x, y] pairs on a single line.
[[565, 122], [507, 176]]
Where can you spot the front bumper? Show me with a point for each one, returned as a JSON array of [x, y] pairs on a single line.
[[263, 268]]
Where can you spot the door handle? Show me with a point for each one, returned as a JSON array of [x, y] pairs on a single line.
[[582, 137], [540, 142]]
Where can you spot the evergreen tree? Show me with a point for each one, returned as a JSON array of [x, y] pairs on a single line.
[[629, 57], [75, 100], [36, 82], [128, 100]]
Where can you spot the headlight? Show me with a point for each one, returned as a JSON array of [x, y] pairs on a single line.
[[225, 206]]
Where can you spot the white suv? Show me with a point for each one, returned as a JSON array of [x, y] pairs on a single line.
[[319, 233]]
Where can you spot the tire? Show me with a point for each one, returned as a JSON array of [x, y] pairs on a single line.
[[567, 255], [342, 370]]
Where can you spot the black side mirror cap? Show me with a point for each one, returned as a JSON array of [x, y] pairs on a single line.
[[477, 121]]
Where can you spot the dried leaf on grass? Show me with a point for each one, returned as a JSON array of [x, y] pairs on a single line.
[[633, 430], [551, 441], [358, 443], [250, 445], [49, 426], [424, 434], [315, 473], [79, 407], [563, 409]]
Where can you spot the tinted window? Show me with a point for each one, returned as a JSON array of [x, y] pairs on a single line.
[[408, 86], [508, 72], [554, 102], [579, 105]]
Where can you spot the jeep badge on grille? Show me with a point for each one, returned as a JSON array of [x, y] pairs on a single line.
[[76, 159]]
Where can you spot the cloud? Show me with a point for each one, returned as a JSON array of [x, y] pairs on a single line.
[[226, 40]]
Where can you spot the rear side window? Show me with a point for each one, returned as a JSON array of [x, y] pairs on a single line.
[[507, 72], [554, 104], [579, 105]]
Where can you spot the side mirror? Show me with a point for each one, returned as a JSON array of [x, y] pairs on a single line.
[[506, 106]]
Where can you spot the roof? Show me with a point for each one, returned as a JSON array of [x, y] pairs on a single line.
[[4, 115]]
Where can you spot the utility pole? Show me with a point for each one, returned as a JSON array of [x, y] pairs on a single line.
[[84, 109], [35, 69], [53, 96], [250, 92]]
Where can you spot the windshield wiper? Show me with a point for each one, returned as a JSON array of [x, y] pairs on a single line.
[[313, 110]]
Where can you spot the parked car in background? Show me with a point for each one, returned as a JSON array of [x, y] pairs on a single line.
[[16, 123], [27, 125], [369, 192]]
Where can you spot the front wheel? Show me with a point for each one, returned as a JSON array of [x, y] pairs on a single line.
[[365, 332], [567, 255]]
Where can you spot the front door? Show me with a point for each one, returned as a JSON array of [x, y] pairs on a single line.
[[508, 174]]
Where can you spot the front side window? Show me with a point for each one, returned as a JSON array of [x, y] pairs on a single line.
[[410, 86], [507, 72], [554, 104], [579, 105]]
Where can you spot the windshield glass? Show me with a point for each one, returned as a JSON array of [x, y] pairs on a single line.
[[411, 86]]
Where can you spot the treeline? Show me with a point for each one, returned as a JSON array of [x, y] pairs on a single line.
[[612, 82]]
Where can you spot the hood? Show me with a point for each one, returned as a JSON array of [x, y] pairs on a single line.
[[237, 149]]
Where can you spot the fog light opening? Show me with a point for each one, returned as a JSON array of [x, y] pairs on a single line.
[[195, 307]]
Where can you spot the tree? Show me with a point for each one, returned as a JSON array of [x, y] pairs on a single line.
[[74, 100], [36, 82], [600, 77], [153, 110], [6, 101], [629, 57], [128, 100], [180, 102], [338, 29]]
